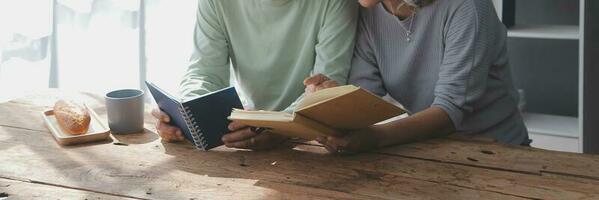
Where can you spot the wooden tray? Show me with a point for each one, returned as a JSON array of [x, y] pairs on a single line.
[[97, 130]]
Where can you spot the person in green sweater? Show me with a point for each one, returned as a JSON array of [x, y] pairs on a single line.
[[272, 46]]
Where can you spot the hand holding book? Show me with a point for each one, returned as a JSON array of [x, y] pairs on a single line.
[[330, 112], [201, 120], [352, 141], [327, 112], [245, 137], [430, 123], [167, 132], [318, 82], [346, 143]]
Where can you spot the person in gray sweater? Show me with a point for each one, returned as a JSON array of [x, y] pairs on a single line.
[[445, 61]]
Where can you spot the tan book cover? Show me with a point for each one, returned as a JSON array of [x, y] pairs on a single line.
[[326, 112]]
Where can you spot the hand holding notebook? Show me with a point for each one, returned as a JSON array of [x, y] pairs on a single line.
[[202, 120], [166, 131]]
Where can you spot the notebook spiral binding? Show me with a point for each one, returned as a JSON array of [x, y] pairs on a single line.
[[196, 133]]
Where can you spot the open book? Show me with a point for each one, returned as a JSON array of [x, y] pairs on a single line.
[[326, 112]]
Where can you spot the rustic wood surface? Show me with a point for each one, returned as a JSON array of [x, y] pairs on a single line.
[[140, 166]]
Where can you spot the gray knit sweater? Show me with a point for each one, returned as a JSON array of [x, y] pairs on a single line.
[[456, 60]]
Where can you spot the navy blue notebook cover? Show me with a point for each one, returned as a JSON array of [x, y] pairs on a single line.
[[202, 120]]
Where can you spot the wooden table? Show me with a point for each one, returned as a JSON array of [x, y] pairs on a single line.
[[140, 166]]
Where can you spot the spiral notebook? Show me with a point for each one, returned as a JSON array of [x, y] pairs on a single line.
[[203, 120]]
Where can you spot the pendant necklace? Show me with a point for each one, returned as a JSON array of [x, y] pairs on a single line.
[[408, 30]]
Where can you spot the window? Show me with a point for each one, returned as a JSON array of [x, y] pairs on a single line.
[[93, 45]]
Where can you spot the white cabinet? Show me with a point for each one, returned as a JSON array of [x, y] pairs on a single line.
[[578, 132], [560, 133]]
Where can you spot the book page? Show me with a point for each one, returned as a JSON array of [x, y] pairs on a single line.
[[350, 111], [323, 95], [298, 126], [239, 114]]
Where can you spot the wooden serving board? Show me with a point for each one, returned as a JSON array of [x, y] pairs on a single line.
[[97, 130]]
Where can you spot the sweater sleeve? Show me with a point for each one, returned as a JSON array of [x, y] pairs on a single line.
[[365, 72], [335, 43], [336, 40], [467, 59], [209, 64]]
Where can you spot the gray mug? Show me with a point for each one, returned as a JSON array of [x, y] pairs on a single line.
[[125, 109]]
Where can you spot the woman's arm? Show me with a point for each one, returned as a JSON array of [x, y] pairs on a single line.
[[430, 123]]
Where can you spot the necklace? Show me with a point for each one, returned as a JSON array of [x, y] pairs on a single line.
[[409, 30]]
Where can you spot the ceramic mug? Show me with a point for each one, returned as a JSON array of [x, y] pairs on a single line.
[[125, 109]]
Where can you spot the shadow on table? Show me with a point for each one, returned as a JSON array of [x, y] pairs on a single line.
[[185, 150], [77, 166], [145, 137], [305, 166]]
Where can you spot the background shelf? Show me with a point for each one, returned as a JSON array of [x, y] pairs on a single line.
[[549, 36], [552, 125], [559, 133], [568, 32]]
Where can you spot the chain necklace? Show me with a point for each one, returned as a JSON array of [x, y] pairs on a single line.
[[409, 30]]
